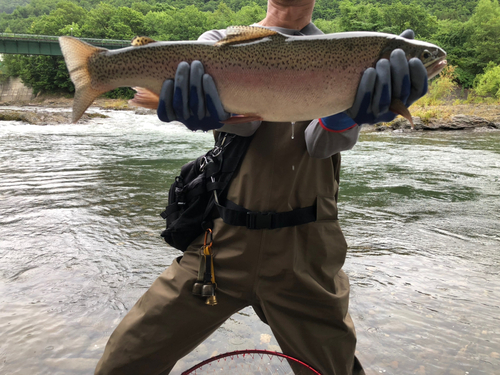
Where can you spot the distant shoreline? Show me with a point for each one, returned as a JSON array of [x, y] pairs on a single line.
[[58, 101], [42, 110]]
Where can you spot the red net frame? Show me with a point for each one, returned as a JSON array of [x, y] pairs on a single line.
[[252, 353]]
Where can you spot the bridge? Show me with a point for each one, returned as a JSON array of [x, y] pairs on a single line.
[[27, 44]]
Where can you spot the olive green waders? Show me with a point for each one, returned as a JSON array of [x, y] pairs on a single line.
[[291, 276]]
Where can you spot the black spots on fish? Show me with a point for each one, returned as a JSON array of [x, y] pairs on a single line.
[[158, 61], [410, 50]]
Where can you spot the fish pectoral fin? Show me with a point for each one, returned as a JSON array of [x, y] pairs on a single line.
[[241, 119], [235, 34], [141, 41], [398, 107], [144, 98]]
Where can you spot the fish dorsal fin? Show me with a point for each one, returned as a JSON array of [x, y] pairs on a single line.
[[235, 34], [141, 41]]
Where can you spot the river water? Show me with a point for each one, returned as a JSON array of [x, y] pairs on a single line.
[[79, 244]]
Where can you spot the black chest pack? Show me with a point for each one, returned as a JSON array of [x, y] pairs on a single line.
[[196, 191]]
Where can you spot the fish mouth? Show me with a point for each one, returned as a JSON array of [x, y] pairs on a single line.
[[435, 68]]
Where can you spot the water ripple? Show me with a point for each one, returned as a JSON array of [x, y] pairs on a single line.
[[79, 244]]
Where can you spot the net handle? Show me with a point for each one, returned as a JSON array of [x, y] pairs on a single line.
[[248, 351]]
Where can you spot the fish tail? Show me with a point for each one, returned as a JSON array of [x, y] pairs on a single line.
[[76, 54]]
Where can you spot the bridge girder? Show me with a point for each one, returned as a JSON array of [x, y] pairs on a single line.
[[47, 45]]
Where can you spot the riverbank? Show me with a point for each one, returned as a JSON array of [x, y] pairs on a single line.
[[46, 110], [43, 110], [446, 117]]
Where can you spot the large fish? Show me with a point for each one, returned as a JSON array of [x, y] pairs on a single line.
[[259, 73]]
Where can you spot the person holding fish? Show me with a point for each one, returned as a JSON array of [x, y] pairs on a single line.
[[289, 271]]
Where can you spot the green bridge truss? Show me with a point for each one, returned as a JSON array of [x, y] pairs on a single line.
[[27, 44]]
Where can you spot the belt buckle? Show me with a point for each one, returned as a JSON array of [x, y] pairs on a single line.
[[259, 220]]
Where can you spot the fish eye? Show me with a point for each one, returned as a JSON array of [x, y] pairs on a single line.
[[426, 54]]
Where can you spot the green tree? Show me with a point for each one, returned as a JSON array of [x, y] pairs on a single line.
[[35, 8], [398, 17], [485, 33], [18, 26], [328, 26], [440, 88], [448, 9], [12, 65], [359, 17], [97, 23], [176, 24], [66, 13], [236, 5], [453, 36], [326, 10], [157, 25], [488, 84], [142, 7], [249, 14], [42, 73], [8, 6], [221, 18], [109, 22]]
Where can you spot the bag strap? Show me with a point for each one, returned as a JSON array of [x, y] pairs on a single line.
[[230, 163], [234, 214]]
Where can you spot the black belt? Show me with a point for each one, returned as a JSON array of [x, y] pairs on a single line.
[[234, 214]]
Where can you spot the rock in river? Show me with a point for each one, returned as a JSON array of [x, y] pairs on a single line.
[[42, 117], [457, 122]]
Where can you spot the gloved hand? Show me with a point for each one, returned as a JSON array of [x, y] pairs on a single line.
[[192, 99], [393, 78]]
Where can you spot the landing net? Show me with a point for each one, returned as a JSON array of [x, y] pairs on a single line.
[[252, 362]]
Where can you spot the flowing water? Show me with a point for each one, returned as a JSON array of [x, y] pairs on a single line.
[[79, 244]]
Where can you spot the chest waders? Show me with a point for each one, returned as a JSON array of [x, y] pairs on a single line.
[[199, 189]]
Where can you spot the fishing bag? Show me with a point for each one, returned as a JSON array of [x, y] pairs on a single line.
[[192, 196]]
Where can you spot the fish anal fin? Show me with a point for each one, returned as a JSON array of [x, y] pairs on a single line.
[[398, 107], [241, 119], [141, 41], [144, 98], [236, 34], [76, 55]]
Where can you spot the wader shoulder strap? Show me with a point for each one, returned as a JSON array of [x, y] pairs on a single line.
[[234, 214]]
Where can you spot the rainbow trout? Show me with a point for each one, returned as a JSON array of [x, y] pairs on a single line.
[[259, 73]]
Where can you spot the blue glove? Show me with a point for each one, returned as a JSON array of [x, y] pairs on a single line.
[[192, 99], [390, 79]]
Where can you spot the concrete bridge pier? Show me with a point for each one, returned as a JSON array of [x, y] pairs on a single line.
[[14, 91]]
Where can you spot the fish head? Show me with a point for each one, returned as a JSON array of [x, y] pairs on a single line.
[[432, 56]]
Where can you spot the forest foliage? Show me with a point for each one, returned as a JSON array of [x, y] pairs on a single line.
[[469, 30]]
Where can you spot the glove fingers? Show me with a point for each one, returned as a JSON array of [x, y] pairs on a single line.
[[408, 34], [400, 76], [196, 97], [181, 90], [364, 95], [419, 81], [382, 95], [165, 111], [212, 100]]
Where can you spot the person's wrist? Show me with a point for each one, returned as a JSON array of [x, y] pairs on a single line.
[[338, 122]]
